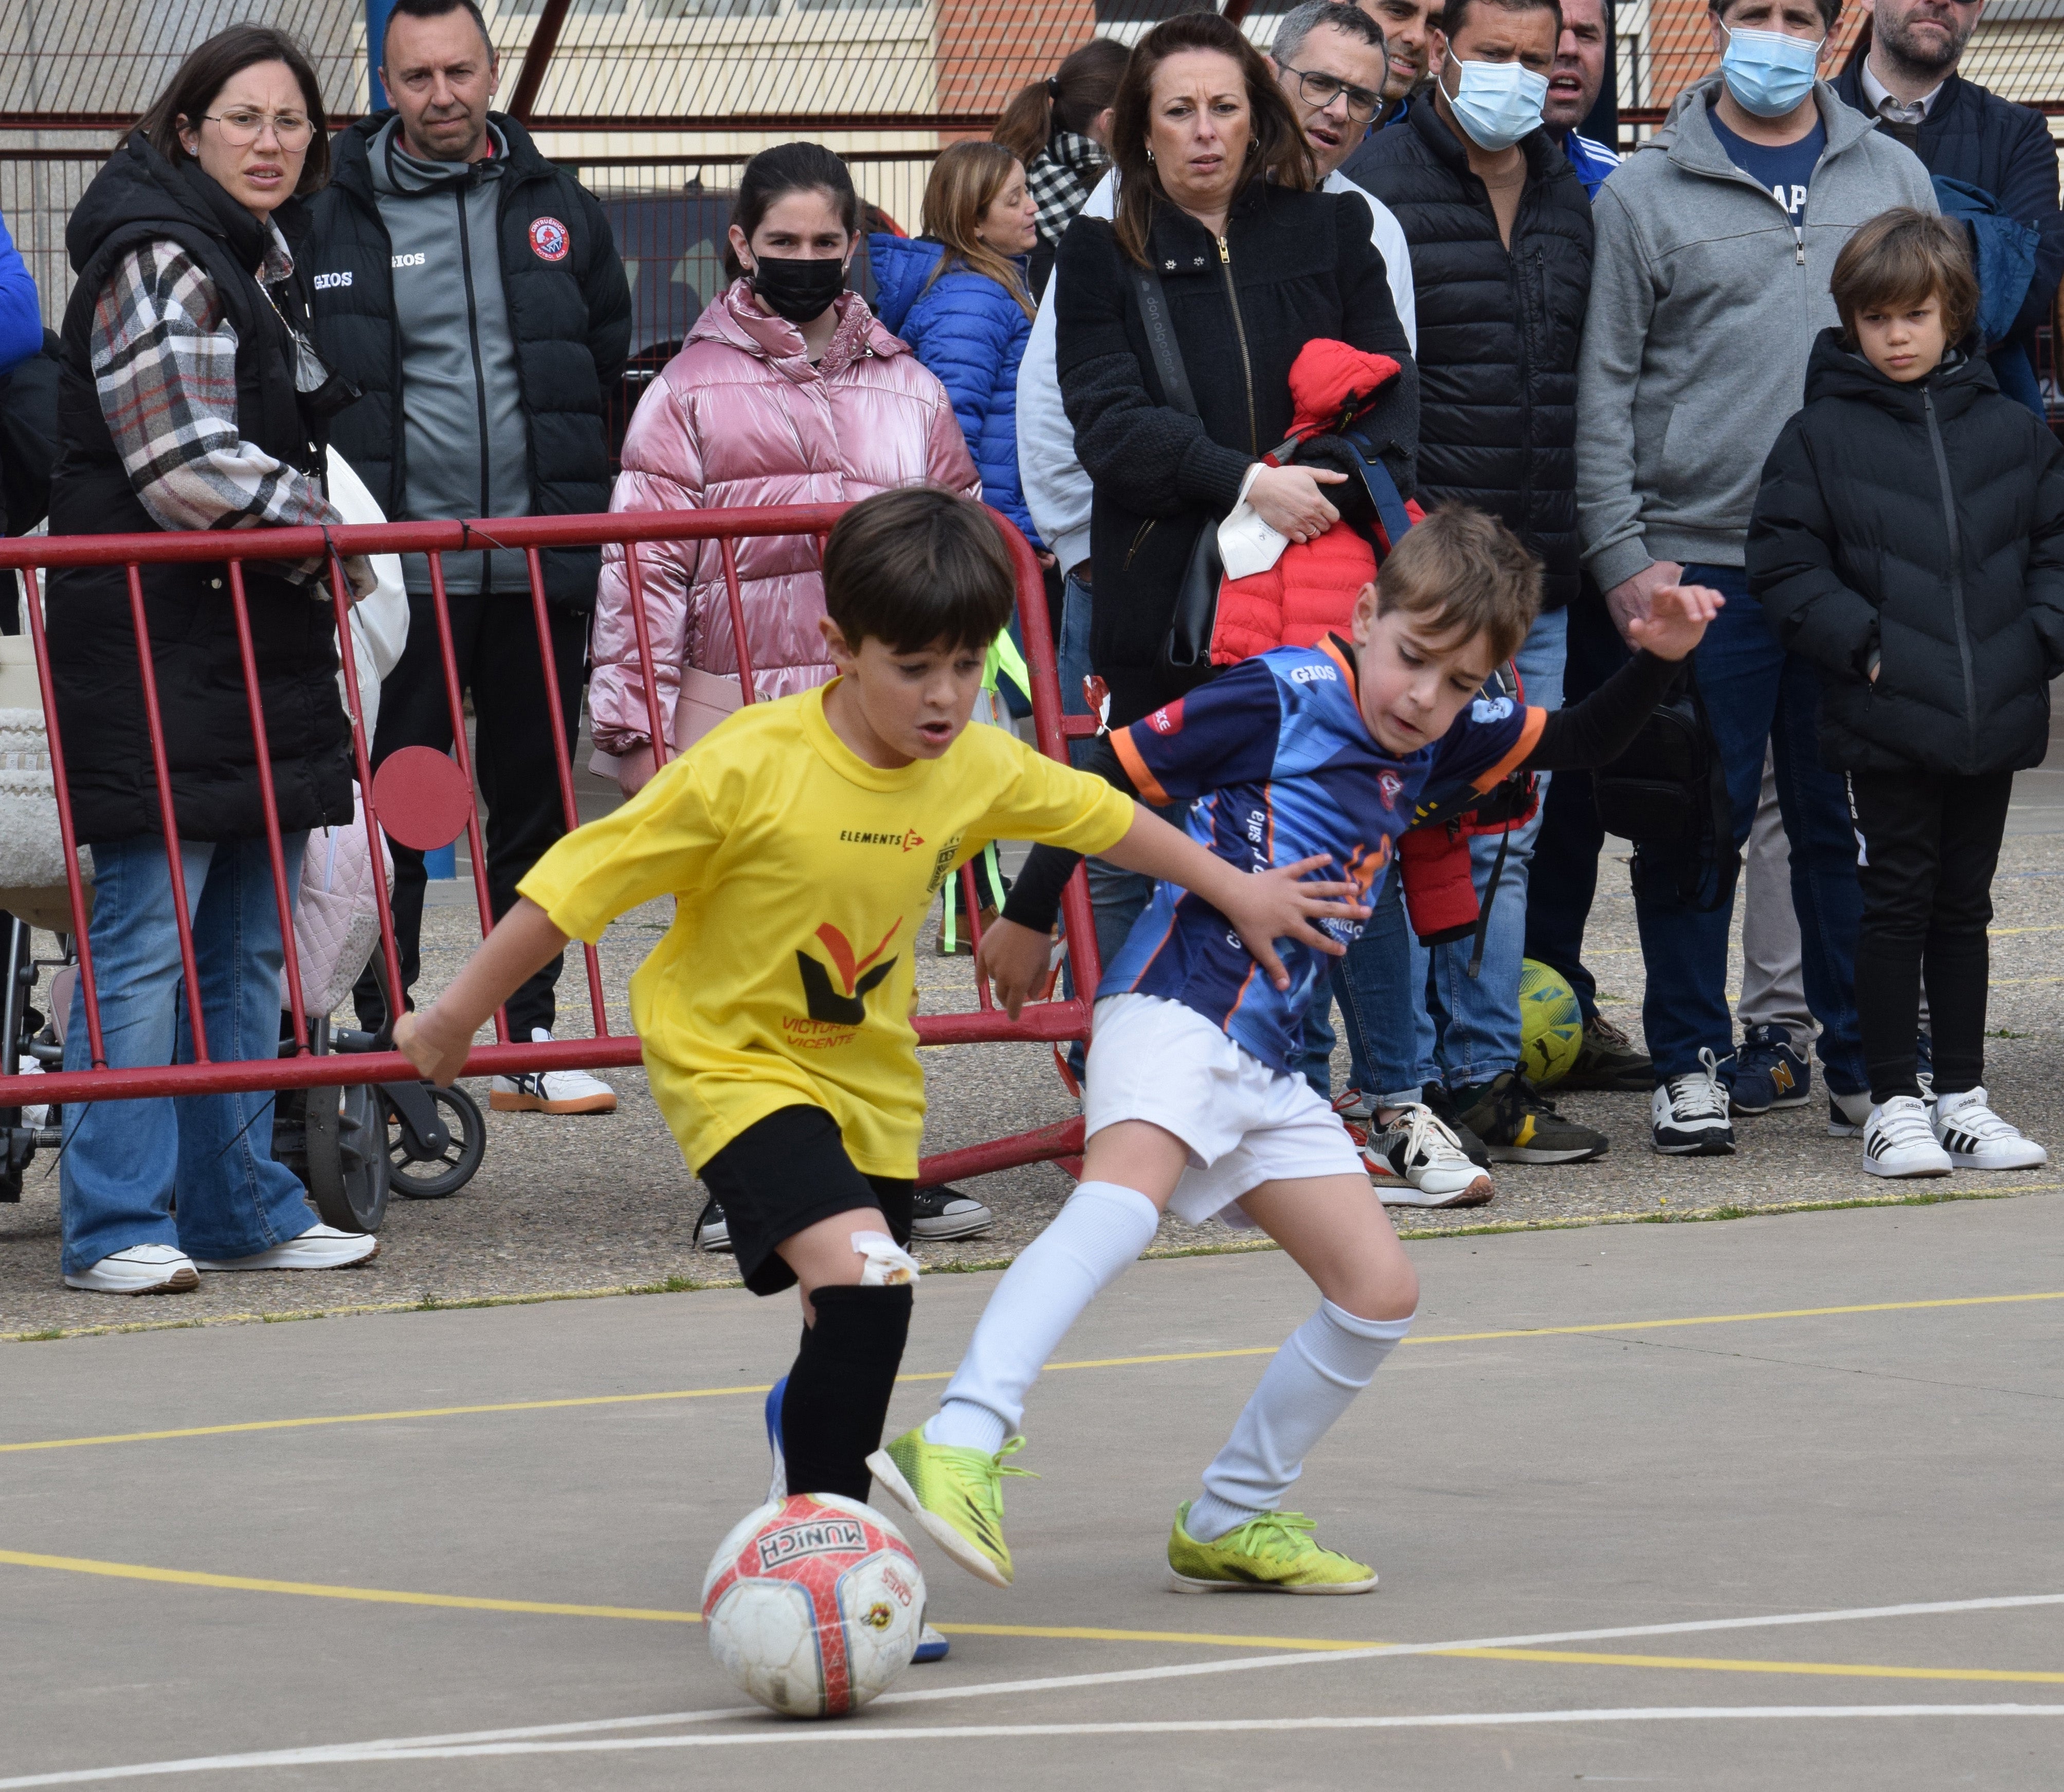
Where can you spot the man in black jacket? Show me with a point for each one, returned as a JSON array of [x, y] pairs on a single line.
[[1904, 75], [474, 291], [1500, 230]]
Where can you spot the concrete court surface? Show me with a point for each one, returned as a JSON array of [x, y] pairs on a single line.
[[1591, 1433]]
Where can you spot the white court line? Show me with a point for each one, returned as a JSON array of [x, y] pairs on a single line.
[[354, 1755], [409, 1747]]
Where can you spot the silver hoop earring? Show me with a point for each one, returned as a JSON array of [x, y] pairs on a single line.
[[1150, 156]]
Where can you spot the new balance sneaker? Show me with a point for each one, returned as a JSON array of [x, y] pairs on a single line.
[[1898, 1142], [552, 1091], [1976, 1138], [1608, 1059], [1273, 1552], [1689, 1113], [1415, 1161], [142, 1268], [956, 1494], [1847, 1115], [1516, 1125], [713, 1229], [1769, 1072], [321, 1247], [946, 1212]]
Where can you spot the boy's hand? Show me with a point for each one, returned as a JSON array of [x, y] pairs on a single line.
[[422, 1039], [1677, 618], [1013, 959], [1264, 907]]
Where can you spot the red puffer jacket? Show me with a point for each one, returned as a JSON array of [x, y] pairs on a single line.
[[1310, 591], [741, 417]]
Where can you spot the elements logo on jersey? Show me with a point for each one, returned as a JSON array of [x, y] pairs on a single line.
[[910, 839], [836, 1007], [549, 239]]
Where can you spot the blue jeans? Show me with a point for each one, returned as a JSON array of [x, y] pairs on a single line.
[[1072, 663], [124, 1162], [1756, 693], [1407, 1007]]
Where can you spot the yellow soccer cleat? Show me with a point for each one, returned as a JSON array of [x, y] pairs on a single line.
[[1274, 1552], [957, 1494]]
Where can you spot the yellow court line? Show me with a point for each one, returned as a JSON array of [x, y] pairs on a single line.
[[383, 1595], [945, 1375]]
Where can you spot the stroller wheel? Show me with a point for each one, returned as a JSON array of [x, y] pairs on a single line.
[[346, 1134], [430, 1170]]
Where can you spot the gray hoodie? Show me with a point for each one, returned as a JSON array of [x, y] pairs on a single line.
[[1704, 306]]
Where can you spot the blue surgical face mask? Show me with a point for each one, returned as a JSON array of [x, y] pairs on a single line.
[[1497, 103], [1767, 72]]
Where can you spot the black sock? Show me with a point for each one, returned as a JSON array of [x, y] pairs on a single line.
[[838, 1392]]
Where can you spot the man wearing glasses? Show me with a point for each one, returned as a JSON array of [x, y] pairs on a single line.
[[1907, 80], [474, 289]]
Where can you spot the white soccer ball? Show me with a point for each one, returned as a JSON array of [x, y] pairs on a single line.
[[813, 1605]]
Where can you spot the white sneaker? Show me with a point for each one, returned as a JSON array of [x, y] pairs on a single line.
[[1416, 1162], [552, 1091], [1976, 1138], [1898, 1142], [321, 1247], [142, 1268], [1689, 1113]]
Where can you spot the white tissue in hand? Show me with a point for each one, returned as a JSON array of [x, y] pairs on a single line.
[[1246, 544]]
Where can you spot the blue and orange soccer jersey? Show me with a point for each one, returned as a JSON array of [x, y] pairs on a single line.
[[1277, 764]]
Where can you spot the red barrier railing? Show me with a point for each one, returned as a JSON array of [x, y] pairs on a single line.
[[1055, 1021]]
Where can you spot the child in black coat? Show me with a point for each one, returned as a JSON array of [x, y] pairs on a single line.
[[1908, 538]]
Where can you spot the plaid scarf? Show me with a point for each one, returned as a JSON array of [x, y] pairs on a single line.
[[1060, 177]]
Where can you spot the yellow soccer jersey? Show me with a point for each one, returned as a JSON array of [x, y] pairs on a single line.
[[801, 875]]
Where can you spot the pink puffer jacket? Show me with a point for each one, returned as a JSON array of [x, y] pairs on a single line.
[[741, 417]]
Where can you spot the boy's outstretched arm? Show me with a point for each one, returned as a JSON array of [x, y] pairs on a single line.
[[1263, 907], [1596, 730], [436, 1040]]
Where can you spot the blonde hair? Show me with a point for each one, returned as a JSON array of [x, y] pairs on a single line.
[[1468, 574], [966, 180]]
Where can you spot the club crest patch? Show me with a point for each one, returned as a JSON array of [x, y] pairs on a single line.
[[548, 238]]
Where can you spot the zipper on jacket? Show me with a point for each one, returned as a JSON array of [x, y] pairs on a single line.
[[479, 382], [1139, 539], [1956, 572], [1246, 366]]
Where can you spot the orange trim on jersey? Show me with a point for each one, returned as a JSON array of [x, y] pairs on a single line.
[[1330, 647], [1144, 781], [1530, 738]]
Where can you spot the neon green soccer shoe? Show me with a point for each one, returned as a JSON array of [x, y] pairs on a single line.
[[1272, 1553], [956, 1494]]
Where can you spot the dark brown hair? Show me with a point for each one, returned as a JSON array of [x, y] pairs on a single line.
[[1279, 151], [1468, 574], [1068, 99], [916, 567], [1900, 258], [206, 70], [789, 168], [1830, 10], [1452, 18], [434, 9]]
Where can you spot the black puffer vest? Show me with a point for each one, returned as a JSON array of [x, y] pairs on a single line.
[[1499, 330], [1923, 523], [140, 197]]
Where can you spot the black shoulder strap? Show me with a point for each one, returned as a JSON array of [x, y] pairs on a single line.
[[1161, 341]]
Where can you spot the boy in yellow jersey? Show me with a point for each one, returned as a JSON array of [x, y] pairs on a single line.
[[803, 841]]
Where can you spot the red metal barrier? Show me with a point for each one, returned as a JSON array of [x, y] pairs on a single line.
[[1056, 1020]]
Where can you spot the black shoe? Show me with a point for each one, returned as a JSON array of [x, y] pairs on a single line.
[[1517, 1126], [713, 1231], [946, 1212], [1608, 1060], [1436, 1097]]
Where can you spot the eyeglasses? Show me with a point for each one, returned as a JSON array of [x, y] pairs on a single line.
[[1320, 90], [240, 130]]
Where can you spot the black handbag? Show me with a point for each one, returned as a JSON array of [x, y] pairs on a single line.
[[1188, 646], [1668, 794]]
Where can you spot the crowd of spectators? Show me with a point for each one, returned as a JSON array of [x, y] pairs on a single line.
[[1096, 331]]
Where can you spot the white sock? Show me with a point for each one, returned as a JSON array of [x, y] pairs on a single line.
[[1103, 1228], [1322, 1365]]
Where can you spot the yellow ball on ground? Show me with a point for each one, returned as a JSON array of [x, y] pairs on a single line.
[[1551, 1025]]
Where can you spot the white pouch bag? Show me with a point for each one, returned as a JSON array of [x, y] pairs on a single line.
[[337, 918]]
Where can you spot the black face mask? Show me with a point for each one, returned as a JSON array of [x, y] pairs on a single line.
[[797, 288]]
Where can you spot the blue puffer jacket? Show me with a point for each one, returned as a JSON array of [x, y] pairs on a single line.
[[971, 334]]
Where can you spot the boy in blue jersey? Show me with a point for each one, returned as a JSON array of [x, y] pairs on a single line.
[[1190, 1104]]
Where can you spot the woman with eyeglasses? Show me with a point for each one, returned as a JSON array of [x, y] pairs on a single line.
[[190, 399]]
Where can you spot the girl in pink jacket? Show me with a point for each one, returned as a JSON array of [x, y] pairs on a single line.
[[787, 391]]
